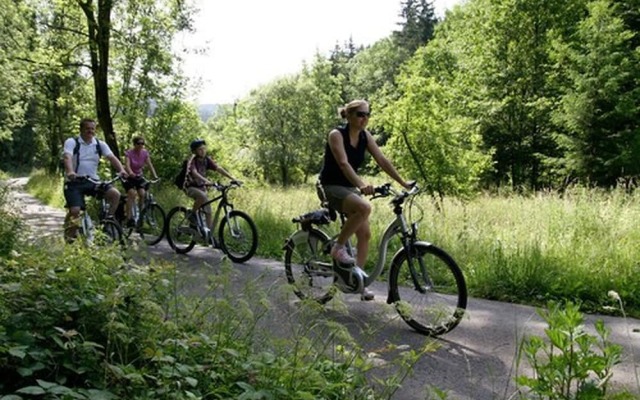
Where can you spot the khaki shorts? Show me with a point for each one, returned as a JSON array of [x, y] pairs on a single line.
[[199, 194], [336, 194]]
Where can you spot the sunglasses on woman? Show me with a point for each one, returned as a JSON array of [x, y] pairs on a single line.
[[362, 114]]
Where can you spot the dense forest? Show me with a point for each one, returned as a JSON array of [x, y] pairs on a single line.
[[514, 94]]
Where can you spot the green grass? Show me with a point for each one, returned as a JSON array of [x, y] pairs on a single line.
[[525, 249]]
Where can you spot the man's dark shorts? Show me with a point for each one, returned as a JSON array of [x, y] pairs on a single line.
[[75, 191], [135, 182]]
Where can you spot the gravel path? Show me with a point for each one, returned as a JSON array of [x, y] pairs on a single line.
[[476, 361]]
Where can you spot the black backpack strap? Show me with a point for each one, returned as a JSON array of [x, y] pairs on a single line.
[[76, 151], [98, 148]]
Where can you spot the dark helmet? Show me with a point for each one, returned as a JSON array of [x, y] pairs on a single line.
[[197, 143]]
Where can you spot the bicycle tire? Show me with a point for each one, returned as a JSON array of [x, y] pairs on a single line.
[[110, 234], [308, 265], [151, 226], [238, 236], [180, 235], [440, 308]]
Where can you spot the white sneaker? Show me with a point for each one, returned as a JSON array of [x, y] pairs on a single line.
[[367, 295], [339, 253]]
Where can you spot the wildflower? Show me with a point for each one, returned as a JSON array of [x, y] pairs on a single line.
[[614, 295]]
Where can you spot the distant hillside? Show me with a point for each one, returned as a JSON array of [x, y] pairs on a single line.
[[206, 111]]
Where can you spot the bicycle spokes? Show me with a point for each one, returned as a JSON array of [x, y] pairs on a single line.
[[428, 290], [309, 268]]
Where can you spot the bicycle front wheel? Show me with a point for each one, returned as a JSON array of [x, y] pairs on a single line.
[[309, 266], [110, 234], [238, 236], [428, 289], [151, 224], [181, 235]]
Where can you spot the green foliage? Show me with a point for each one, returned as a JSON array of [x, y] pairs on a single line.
[[46, 188], [77, 322], [174, 126], [599, 110], [571, 363], [11, 226], [289, 121], [418, 23], [80, 323], [431, 142]]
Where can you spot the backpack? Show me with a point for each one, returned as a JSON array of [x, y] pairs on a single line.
[[180, 179], [76, 153]]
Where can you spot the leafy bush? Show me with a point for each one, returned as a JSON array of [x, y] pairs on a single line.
[[81, 323], [570, 364], [11, 225]]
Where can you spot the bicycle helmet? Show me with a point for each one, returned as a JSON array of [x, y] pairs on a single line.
[[197, 143]]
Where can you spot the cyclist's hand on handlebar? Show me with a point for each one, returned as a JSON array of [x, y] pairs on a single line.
[[409, 184], [72, 176], [367, 190], [123, 174]]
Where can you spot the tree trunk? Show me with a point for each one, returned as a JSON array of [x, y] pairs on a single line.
[[99, 36]]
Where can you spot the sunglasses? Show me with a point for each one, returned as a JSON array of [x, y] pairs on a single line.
[[138, 143], [362, 114]]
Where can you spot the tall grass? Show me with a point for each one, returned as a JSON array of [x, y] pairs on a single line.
[[529, 249]]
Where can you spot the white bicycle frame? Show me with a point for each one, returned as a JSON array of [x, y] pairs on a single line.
[[397, 227]]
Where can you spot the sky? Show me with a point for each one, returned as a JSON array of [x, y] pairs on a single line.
[[247, 43]]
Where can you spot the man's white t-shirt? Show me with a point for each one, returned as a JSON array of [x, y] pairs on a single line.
[[87, 155]]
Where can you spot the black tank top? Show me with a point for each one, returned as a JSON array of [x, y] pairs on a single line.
[[331, 174]]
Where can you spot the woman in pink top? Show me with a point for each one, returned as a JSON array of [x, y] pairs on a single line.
[[135, 161]]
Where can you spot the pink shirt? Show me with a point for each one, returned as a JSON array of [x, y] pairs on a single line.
[[137, 160]]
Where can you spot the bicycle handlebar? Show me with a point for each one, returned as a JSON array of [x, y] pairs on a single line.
[[98, 181], [221, 187], [387, 190]]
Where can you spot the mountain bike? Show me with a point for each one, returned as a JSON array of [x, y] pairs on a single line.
[[109, 231], [237, 233], [148, 221], [426, 285]]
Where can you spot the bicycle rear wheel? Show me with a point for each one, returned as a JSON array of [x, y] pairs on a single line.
[[309, 266], [151, 224], [180, 234], [238, 236], [431, 294]]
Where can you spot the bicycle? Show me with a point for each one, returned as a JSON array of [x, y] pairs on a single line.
[[148, 221], [237, 233], [426, 285], [110, 228]]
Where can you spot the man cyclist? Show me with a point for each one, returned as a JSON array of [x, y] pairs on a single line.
[[81, 158], [196, 181]]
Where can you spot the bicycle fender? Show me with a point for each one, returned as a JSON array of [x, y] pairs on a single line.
[[401, 250], [299, 235], [288, 243]]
